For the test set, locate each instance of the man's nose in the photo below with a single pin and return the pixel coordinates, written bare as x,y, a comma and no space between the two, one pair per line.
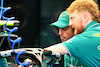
60,31
70,23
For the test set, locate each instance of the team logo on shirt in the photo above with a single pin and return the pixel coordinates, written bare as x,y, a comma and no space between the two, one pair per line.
96,34
99,47
98,27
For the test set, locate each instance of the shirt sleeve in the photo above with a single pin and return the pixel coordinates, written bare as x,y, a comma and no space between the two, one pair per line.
74,45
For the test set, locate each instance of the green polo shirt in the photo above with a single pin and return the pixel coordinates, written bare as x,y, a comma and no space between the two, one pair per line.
86,46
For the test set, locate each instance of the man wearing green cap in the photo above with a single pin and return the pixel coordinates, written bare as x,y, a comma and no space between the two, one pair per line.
85,19
66,32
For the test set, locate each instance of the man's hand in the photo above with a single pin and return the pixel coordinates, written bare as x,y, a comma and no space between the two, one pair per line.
53,56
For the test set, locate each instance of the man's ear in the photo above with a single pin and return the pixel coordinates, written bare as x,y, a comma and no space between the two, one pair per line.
85,18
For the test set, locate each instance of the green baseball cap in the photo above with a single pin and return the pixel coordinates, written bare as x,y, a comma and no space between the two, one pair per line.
63,20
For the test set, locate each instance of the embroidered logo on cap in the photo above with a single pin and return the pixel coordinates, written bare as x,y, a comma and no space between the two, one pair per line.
62,15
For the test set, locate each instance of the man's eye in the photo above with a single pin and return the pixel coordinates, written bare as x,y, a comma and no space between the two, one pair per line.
65,28
72,18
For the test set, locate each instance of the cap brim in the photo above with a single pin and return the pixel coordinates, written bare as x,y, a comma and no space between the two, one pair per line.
58,24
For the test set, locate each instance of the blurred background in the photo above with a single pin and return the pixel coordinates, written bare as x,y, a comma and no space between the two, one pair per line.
35,17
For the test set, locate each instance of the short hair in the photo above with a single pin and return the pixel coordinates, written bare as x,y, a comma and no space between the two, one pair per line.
88,5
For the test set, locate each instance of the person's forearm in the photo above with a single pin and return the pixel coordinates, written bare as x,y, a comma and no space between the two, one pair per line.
59,48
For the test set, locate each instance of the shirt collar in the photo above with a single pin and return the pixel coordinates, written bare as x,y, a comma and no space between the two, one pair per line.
90,24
